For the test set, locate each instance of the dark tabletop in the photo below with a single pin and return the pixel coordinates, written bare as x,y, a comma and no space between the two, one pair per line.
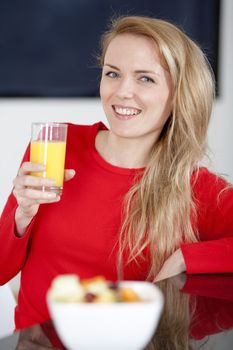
198,314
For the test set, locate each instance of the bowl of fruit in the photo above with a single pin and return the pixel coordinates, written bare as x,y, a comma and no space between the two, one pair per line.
96,314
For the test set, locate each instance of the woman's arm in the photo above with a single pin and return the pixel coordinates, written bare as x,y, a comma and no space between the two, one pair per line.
214,251
17,219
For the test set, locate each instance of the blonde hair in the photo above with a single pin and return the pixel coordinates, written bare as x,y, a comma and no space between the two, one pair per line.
159,206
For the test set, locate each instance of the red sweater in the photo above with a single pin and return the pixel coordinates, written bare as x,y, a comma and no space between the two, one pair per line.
79,233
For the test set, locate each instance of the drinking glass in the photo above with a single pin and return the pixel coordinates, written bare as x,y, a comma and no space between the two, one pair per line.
48,147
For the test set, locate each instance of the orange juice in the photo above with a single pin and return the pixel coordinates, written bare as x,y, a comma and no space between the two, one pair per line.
51,154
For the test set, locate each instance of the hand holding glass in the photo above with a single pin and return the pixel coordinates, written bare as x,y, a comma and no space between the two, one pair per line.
48,147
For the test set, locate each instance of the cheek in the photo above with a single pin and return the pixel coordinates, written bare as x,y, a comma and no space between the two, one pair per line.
163,99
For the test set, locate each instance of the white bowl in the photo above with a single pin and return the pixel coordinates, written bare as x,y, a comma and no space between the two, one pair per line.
109,326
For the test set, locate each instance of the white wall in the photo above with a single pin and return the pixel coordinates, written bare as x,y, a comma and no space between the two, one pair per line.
16,116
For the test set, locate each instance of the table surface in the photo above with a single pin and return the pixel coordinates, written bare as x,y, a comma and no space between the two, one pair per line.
198,314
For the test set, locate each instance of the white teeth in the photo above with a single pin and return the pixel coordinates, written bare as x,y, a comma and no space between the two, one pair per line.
126,111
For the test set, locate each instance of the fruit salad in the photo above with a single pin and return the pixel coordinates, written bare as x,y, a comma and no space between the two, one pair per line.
69,288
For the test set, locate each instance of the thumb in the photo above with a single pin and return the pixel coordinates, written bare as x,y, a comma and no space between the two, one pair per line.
69,174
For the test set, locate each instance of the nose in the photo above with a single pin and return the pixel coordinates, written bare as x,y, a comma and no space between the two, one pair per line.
126,88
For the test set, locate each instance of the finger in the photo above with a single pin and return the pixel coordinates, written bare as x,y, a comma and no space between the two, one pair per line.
26,203
69,174
32,181
34,194
27,167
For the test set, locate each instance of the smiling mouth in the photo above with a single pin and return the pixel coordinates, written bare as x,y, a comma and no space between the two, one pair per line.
126,113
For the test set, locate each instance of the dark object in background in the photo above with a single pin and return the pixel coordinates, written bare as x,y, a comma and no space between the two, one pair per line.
48,48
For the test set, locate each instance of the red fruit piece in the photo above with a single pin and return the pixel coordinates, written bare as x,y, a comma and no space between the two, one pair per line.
90,297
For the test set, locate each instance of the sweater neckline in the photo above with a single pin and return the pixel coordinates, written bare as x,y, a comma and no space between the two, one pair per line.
103,163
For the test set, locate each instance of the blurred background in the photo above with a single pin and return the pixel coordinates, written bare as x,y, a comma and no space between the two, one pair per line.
49,67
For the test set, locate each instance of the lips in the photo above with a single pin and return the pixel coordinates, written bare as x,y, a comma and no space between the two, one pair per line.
126,112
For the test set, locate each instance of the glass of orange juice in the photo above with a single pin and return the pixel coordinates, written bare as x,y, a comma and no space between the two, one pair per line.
48,147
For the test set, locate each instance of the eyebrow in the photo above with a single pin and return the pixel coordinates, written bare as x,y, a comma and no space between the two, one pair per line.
137,71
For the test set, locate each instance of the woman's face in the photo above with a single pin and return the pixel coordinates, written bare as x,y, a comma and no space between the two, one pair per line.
135,89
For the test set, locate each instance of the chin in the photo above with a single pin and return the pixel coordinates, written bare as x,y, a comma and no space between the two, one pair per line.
125,133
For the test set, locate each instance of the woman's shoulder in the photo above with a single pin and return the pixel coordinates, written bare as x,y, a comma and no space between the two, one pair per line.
206,184
85,128
83,132
204,176
213,198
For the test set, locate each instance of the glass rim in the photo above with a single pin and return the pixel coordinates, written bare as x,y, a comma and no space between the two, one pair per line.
56,124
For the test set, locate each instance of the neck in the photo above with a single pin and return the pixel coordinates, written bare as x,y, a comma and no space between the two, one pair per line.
123,152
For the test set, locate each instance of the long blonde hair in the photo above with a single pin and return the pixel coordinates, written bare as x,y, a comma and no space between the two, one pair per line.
159,209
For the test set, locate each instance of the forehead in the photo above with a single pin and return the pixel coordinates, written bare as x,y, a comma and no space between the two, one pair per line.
132,47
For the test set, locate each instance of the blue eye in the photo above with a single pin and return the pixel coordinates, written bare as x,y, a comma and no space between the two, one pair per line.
147,79
112,74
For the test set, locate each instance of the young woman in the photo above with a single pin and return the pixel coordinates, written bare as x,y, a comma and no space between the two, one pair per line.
137,204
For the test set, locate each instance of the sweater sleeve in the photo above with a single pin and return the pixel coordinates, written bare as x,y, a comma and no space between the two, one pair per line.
13,249
214,251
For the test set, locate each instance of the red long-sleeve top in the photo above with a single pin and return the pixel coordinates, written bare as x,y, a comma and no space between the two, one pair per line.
79,233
